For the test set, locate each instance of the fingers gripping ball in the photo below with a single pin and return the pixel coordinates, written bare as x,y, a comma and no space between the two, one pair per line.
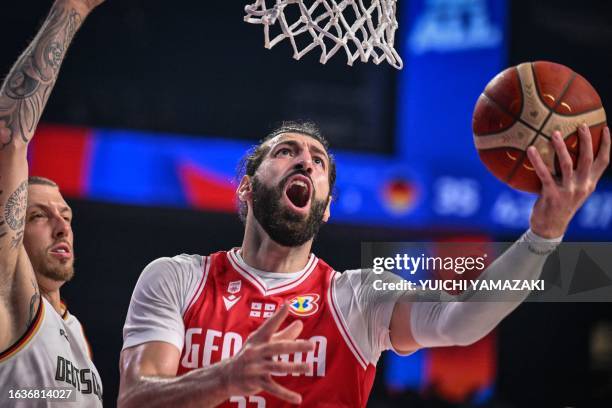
521,107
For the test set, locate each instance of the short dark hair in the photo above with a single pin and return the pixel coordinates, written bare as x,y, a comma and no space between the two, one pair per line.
253,158
43,181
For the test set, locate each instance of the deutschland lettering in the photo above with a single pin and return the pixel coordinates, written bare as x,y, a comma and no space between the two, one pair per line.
84,380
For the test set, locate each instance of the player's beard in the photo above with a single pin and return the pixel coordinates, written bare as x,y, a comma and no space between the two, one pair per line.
284,226
55,270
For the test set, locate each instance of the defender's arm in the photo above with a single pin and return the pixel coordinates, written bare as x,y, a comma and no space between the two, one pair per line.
23,96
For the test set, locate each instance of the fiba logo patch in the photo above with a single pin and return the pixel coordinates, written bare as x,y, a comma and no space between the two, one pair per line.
304,305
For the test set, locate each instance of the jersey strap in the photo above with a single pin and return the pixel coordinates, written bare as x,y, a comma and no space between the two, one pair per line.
201,284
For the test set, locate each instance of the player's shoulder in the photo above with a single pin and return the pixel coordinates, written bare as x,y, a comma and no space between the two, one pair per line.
182,263
361,282
351,272
351,277
186,260
182,269
171,278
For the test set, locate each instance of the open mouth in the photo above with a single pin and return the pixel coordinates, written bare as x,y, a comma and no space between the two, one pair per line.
62,250
298,191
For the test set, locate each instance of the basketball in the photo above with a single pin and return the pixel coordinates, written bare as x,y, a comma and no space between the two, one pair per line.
521,107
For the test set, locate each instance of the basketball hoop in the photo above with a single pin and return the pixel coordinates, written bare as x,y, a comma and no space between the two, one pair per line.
364,29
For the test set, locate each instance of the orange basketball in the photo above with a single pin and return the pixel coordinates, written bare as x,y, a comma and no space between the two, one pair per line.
521,107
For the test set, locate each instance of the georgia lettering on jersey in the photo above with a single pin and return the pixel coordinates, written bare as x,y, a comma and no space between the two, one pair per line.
218,346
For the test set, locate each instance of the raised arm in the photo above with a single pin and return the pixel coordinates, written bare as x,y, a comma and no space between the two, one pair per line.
23,96
431,324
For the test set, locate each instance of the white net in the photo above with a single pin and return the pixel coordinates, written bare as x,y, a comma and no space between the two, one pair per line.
363,29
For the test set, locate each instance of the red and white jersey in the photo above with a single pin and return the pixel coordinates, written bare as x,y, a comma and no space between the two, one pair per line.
207,307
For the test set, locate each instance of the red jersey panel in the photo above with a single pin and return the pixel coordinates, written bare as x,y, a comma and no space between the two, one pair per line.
232,302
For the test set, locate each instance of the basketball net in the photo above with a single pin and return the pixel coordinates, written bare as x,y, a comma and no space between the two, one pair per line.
362,32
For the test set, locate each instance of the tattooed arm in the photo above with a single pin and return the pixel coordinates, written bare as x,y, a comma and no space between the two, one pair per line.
23,96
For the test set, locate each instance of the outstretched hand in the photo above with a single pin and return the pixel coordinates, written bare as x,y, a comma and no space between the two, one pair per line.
561,198
250,371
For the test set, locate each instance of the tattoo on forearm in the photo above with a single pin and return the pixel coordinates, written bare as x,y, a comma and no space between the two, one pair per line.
15,207
16,240
27,87
14,213
34,300
3,227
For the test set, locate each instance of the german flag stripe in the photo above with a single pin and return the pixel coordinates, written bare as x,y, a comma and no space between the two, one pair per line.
27,336
64,308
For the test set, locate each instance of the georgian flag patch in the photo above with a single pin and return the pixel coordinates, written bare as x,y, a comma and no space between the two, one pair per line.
304,305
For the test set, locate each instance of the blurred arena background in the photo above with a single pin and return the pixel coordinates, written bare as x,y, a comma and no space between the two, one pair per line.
157,101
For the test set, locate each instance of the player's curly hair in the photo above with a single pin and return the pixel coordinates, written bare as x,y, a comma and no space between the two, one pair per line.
254,156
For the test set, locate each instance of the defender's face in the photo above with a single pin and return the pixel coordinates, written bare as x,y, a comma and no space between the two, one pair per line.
300,165
48,238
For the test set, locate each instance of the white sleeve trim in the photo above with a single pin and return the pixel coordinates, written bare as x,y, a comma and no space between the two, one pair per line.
159,300
365,311
136,339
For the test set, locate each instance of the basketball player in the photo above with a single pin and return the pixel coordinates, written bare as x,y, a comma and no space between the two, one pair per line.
44,355
269,324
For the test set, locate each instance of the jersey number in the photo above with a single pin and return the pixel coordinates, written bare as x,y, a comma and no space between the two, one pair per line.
255,399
